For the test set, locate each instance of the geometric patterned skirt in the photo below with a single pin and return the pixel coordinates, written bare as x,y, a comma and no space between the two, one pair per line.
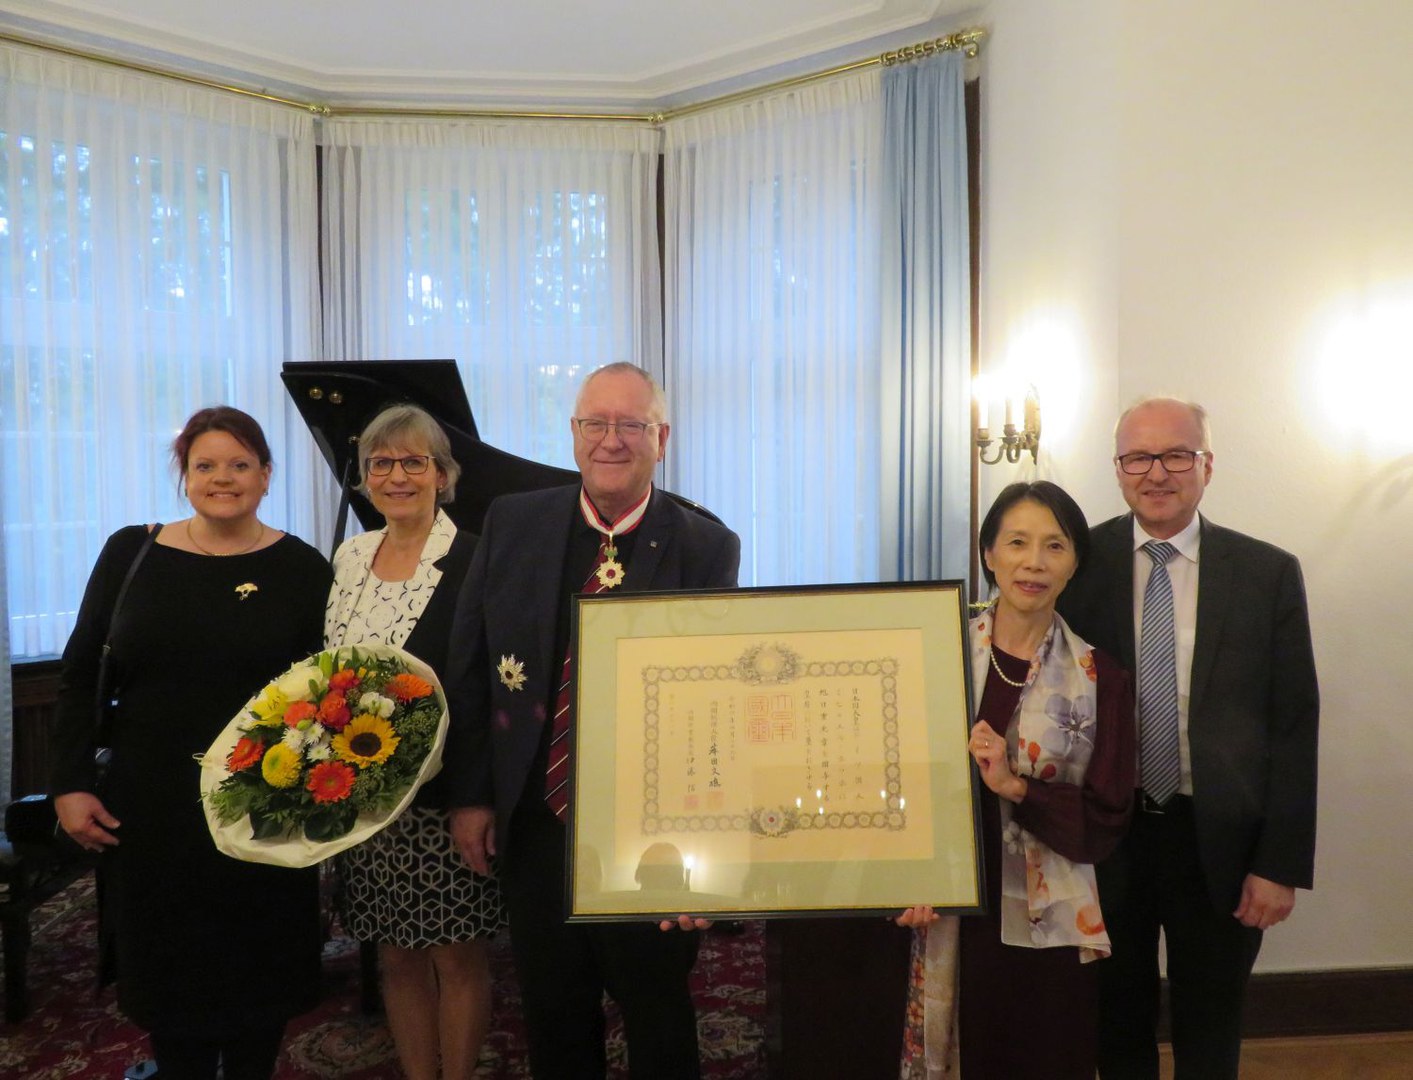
408,886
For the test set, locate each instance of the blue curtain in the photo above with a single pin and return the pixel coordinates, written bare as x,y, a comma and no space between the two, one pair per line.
926,322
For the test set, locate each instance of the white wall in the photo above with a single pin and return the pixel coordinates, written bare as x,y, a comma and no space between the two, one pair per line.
1215,199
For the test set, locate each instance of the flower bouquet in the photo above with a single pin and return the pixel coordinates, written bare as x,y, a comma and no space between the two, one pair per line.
324,756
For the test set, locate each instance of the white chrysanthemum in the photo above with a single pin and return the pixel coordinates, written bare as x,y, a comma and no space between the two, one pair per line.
294,739
318,752
376,704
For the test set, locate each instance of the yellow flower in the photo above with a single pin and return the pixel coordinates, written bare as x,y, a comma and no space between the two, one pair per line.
280,766
270,706
367,740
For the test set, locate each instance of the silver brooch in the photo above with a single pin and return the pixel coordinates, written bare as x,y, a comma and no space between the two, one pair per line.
512,672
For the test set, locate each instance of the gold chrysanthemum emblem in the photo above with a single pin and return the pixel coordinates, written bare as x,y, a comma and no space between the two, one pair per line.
512,672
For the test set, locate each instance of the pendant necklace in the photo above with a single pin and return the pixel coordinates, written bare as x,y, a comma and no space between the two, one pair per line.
224,554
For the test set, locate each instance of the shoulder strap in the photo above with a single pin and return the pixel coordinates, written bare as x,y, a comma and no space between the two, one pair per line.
105,691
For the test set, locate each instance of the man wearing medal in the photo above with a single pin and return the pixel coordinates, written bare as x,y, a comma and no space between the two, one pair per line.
506,758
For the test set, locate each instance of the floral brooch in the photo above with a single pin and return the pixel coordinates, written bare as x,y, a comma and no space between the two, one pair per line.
512,672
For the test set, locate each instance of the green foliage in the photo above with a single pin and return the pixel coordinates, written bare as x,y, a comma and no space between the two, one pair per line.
330,822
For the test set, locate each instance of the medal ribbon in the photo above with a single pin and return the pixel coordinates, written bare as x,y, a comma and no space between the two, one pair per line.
625,524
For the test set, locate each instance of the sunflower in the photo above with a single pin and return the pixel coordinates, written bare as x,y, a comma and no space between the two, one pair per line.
280,766
368,740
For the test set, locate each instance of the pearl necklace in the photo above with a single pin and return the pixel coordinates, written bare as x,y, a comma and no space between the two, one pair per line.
1004,677
224,554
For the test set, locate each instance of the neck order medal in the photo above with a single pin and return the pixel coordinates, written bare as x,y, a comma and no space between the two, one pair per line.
610,572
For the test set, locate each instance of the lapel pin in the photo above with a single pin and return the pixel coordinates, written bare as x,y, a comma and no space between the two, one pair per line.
512,672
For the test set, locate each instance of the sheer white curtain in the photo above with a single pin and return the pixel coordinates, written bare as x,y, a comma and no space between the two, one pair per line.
772,309
156,255
525,251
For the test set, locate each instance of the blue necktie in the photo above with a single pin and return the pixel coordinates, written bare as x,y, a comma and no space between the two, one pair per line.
1160,766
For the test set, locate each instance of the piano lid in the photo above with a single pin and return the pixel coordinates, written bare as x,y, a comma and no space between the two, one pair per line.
337,399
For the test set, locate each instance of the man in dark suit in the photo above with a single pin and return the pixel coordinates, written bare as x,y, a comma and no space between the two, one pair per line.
1215,627
510,733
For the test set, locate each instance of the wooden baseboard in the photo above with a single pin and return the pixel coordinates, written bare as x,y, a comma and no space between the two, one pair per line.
1329,1003
1304,1003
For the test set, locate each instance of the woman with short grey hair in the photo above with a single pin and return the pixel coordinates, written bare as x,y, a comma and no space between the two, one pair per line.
406,887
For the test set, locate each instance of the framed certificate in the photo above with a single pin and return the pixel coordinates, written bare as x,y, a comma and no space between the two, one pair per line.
772,752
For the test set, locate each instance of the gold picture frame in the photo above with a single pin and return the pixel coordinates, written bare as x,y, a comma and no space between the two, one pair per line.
772,752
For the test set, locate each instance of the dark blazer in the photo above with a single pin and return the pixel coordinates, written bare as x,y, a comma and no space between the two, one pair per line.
1254,705
428,640
508,609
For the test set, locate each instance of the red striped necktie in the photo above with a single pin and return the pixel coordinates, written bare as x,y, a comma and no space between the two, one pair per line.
557,771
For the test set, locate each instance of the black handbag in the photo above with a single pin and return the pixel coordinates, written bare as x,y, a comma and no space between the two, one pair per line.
30,821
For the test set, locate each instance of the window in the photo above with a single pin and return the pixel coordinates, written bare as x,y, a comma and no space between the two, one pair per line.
519,252
145,272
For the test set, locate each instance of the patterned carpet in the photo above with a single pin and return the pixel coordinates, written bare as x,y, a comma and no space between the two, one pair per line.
74,1034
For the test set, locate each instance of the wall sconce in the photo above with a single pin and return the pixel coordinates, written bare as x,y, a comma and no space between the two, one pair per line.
1013,442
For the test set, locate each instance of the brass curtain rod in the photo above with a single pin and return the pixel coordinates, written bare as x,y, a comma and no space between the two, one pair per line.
967,41
161,73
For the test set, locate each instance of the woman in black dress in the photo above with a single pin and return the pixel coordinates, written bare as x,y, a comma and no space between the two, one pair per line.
406,887
213,955
1054,742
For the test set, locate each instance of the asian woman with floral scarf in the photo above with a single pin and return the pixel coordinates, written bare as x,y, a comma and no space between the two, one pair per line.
1012,993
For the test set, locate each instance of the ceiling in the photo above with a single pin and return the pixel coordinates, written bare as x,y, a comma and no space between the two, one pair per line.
640,54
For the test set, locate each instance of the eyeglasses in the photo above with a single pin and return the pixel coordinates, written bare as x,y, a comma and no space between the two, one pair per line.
412,465
1174,461
628,430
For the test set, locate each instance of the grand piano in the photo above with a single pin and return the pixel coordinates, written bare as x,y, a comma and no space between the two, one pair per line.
836,988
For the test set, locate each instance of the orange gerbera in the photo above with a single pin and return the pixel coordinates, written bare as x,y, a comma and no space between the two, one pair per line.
333,711
343,680
246,753
299,712
330,781
408,687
